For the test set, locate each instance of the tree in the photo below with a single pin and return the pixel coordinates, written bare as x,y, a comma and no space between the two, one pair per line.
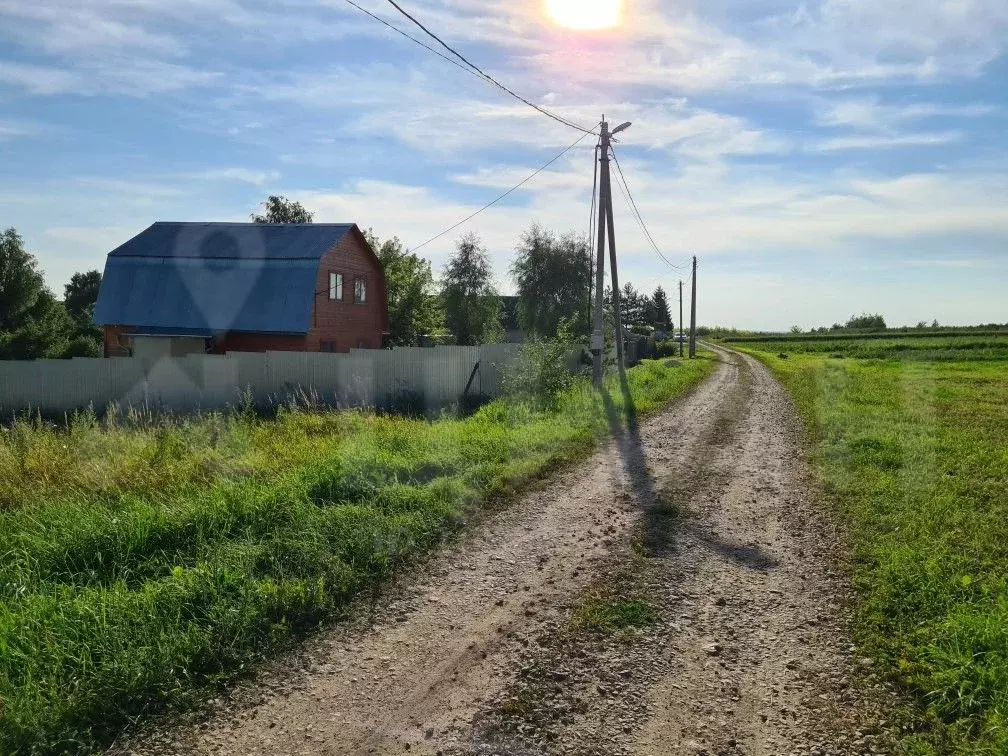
44,333
21,282
864,321
472,306
414,309
551,275
632,306
656,310
279,209
81,295
33,323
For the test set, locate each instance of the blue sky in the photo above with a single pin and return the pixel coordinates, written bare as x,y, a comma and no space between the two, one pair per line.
821,158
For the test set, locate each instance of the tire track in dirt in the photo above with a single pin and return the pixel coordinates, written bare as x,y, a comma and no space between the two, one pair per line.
749,652
413,675
762,663
703,508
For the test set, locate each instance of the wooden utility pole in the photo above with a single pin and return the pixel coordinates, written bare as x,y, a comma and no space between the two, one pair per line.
605,225
680,321
692,335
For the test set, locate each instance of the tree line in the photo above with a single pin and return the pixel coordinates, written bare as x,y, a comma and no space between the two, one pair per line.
551,273
34,324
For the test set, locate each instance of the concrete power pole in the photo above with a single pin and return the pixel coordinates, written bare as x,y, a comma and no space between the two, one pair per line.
692,336
598,339
605,222
680,321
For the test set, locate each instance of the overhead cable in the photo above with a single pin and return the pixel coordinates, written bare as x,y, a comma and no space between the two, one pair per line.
482,74
410,37
514,188
637,214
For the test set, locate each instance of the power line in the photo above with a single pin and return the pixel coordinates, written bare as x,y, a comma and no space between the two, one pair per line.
482,74
640,222
624,188
505,194
410,37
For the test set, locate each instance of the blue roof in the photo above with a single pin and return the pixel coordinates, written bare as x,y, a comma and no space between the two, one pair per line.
206,278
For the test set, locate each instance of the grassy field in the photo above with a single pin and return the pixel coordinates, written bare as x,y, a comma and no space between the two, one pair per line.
143,567
910,437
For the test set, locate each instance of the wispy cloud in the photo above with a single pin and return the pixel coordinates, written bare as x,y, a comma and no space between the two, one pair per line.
888,141
242,175
872,114
10,130
749,117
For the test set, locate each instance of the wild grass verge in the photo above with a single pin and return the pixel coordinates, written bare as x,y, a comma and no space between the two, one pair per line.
141,568
912,448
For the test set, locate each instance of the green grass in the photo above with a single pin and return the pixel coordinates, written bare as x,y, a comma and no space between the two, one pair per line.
911,444
610,615
934,348
144,566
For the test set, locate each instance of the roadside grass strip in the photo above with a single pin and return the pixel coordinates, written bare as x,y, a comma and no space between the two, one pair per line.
145,563
912,449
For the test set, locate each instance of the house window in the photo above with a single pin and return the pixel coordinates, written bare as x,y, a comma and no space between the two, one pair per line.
360,291
336,286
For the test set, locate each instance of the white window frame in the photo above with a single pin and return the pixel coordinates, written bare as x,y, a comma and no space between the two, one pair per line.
360,290
335,287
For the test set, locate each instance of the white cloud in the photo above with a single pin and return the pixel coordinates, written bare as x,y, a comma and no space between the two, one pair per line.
105,76
888,141
38,80
10,130
242,175
870,113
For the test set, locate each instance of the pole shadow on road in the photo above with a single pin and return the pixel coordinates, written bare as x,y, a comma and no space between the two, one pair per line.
663,514
660,515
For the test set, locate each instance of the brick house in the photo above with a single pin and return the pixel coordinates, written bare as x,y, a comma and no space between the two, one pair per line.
182,288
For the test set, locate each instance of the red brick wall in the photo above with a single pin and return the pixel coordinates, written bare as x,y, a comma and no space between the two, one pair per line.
346,324
341,324
114,346
258,342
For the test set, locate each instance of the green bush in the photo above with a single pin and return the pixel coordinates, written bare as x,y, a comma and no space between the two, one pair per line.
544,371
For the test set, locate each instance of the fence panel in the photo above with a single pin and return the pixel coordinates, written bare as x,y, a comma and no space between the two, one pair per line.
418,378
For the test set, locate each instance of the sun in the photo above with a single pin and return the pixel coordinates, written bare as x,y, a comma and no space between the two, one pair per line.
586,15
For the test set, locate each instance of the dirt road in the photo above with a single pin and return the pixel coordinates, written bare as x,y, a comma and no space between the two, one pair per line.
699,520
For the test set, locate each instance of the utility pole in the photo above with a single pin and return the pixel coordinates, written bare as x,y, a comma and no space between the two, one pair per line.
598,340
617,315
680,320
692,336
605,224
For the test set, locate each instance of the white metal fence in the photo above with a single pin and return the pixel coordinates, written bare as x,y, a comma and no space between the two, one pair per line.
414,378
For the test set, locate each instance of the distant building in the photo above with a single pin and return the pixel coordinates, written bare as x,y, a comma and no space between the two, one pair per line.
181,288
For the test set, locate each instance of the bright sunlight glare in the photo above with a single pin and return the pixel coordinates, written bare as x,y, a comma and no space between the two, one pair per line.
586,15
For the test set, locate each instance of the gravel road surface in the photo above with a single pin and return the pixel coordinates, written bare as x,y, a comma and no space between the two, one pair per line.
702,515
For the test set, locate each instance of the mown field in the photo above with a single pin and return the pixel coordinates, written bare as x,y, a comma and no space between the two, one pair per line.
910,438
144,565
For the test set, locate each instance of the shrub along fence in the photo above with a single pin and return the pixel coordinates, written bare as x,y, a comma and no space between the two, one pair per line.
404,379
